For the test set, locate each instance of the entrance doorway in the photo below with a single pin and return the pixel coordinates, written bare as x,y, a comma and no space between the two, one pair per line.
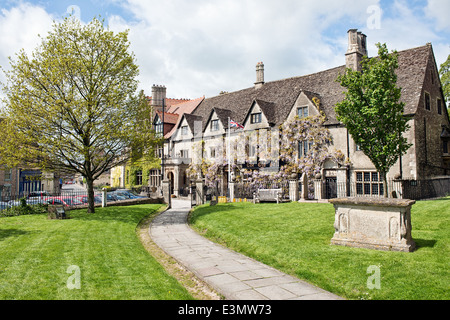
331,187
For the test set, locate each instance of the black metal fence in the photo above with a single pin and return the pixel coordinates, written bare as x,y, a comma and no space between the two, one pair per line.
426,189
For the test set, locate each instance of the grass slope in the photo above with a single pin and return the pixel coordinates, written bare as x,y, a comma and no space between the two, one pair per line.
295,238
35,254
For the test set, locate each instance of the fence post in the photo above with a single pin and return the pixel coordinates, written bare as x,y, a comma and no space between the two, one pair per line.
166,193
199,186
293,190
104,198
304,194
231,184
318,189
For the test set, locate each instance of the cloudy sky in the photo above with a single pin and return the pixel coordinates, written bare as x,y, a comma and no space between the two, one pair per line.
202,47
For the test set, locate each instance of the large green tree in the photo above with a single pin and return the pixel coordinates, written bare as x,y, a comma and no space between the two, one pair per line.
445,79
72,105
372,110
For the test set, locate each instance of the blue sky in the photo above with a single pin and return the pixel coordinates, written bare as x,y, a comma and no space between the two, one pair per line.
203,47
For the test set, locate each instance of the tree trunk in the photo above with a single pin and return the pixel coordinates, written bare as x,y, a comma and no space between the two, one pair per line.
385,185
90,191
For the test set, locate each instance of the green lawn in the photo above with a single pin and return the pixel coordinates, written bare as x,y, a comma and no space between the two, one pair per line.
295,238
35,254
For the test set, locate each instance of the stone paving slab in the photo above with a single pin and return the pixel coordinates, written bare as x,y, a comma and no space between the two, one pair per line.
233,275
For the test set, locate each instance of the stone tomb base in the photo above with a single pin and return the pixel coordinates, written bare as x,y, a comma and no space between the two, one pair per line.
373,223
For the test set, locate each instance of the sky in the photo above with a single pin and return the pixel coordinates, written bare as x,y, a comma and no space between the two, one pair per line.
202,47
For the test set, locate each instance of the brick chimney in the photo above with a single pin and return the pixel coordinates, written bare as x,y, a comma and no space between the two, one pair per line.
259,75
357,48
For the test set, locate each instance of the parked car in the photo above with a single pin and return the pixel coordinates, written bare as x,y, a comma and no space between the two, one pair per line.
127,194
66,201
37,195
84,199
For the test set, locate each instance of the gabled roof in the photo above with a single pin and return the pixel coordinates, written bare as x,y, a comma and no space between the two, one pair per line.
168,117
175,112
282,94
269,110
191,119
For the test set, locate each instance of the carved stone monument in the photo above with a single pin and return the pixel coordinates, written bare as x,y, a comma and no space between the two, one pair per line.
373,223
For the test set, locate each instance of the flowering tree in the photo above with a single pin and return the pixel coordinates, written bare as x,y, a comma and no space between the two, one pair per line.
304,148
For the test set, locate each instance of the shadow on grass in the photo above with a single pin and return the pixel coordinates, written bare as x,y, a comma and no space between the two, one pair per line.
6,233
126,214
422,243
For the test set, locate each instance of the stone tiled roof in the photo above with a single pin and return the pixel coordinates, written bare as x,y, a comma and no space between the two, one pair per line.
282,94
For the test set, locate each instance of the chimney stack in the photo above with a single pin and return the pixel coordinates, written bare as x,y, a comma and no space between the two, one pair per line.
259,75
158,96
357,48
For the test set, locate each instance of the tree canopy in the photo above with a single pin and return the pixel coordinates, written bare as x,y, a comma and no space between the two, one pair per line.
72,106
372,110
444,72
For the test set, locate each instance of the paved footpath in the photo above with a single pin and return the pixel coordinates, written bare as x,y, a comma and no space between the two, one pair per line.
233,275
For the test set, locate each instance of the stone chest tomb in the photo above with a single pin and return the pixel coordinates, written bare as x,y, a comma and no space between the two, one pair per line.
373,223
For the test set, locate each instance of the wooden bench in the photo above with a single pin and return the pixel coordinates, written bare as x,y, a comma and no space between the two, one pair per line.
267,195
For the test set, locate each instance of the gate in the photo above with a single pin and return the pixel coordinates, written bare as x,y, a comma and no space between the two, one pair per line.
331,188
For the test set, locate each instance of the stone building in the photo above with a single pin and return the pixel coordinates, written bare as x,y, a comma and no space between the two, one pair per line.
267,105
166,114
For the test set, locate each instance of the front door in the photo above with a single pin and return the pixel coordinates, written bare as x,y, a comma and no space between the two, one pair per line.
331,187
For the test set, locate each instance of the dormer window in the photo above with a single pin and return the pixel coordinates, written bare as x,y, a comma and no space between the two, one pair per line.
215,125
159,127
302,112
256,118
184,130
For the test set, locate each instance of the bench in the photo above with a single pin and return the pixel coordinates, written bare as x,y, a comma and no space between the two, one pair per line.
267,195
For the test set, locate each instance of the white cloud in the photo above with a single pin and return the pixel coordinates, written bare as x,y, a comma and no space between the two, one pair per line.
20,28
401,29
439,10
203,47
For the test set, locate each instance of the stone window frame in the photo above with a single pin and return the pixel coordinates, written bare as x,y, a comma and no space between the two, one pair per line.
301,112
138,176
215,125
439,105
184,130
427,105
303,148
184,153
212,152
369,183
256,118
8,174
